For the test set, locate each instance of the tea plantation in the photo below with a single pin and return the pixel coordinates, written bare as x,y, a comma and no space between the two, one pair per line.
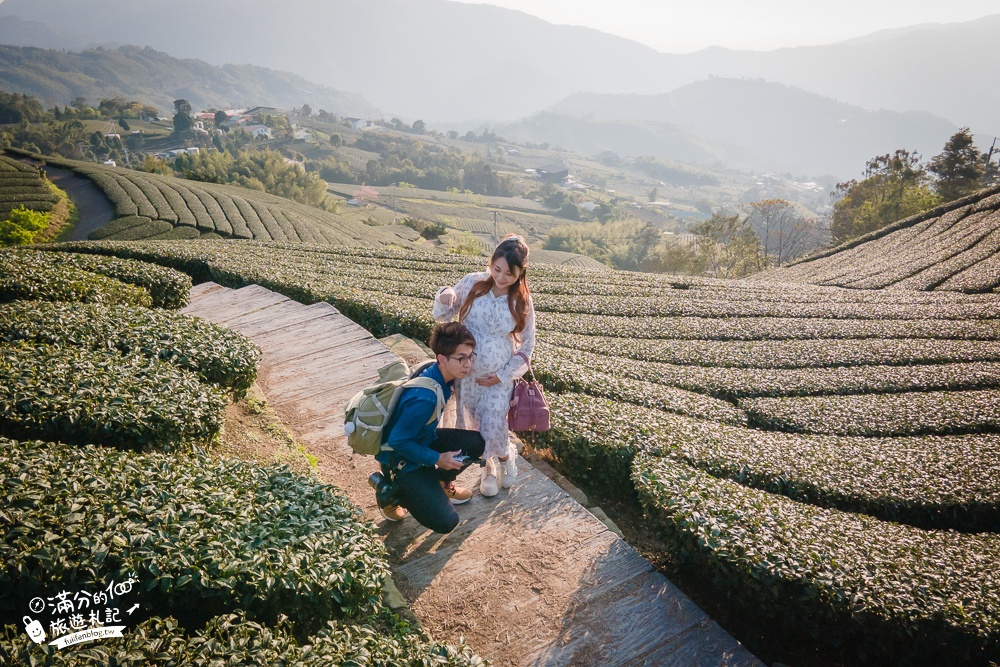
22,185
828,460
953,247
110,401
153,206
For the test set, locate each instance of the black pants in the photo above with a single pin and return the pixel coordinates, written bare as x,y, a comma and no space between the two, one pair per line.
420,490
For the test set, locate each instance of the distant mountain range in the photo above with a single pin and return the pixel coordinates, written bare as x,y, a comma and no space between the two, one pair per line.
821,110
446,61
739,122
152,77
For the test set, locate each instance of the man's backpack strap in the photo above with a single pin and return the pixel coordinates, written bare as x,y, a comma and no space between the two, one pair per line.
421,382
433,385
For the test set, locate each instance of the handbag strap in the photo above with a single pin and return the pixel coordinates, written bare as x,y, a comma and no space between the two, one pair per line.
528,362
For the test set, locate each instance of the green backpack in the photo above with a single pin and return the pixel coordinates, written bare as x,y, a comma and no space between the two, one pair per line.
369,409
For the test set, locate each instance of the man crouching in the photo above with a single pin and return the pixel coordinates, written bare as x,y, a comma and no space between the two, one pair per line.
420,462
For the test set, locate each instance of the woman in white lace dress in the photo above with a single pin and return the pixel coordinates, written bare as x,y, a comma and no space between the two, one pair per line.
496,306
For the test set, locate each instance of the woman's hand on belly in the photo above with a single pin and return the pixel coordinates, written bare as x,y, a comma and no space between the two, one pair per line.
488,380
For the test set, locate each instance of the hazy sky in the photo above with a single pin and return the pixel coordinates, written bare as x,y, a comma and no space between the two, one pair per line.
682,26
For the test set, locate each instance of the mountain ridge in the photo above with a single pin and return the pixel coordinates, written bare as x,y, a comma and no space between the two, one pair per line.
774,127
152,77
418,59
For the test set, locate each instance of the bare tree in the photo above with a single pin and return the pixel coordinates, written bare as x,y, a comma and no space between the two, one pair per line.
784,233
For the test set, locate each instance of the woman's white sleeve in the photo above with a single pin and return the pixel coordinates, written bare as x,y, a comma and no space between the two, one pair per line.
517,366
443,313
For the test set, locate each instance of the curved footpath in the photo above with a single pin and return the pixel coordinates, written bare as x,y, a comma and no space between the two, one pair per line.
93,207
529,577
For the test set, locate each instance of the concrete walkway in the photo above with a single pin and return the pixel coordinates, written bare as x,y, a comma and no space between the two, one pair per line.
529,577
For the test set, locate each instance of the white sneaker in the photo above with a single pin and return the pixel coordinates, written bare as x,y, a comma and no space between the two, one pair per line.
489,485
508,471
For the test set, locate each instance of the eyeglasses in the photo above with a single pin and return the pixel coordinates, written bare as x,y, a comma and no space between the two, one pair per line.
465,359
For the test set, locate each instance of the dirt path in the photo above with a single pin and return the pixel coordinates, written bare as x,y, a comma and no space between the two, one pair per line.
94,208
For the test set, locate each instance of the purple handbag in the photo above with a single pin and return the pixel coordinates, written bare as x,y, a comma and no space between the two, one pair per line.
528,409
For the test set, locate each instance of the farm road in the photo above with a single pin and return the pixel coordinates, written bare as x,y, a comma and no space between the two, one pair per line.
529,577
94,208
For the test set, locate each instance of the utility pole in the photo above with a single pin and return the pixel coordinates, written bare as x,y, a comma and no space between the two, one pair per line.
496,227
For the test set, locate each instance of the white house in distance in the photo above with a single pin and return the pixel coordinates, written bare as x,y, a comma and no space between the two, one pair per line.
258,131
357,123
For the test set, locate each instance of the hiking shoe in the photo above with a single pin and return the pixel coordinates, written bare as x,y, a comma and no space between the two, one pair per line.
392,513
456,494
508,472
489,485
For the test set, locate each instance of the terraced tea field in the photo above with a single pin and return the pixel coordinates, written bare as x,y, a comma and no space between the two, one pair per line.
111,406
152,206
462,211
955,247
827,459
22,185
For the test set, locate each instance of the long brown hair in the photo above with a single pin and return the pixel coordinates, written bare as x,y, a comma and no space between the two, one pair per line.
514,250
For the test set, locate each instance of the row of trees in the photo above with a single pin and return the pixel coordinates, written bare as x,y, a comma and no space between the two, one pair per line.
263,170
61,131
770,232
897,185
16,108
402,160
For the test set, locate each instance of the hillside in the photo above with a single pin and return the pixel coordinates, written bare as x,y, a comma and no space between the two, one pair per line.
955,247
149,76
739,415
152,206
393,52
763,125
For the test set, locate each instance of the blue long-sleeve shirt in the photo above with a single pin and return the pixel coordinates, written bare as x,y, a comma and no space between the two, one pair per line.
409,433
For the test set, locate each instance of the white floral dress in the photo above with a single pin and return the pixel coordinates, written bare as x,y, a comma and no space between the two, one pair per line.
491,322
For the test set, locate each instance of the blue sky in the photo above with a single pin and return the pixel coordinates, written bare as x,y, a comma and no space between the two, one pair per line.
682,26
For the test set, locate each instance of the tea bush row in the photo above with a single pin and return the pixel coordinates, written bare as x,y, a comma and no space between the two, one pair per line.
60,276
733,384
394,265
641,307
815,353
167,287
895,593
567,375
911,413
119,226
231,639
10,166
945,482
216,354
29,275
83,395
23,185
765,328
137,229
202,536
